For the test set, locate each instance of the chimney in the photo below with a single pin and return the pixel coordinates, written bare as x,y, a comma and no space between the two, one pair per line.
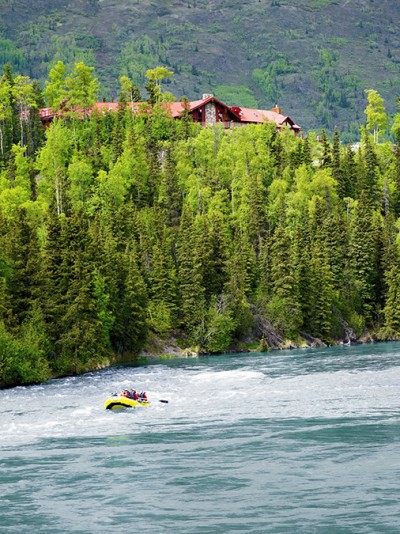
207,95
277,109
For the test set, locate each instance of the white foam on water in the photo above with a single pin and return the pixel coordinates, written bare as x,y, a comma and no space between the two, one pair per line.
263,387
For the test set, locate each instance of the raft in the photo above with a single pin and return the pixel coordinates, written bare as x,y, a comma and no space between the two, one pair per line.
118,401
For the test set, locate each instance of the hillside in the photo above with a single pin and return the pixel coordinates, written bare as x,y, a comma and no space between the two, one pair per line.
313,57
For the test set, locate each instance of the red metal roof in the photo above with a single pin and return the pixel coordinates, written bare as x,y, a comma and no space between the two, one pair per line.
244,115
264,115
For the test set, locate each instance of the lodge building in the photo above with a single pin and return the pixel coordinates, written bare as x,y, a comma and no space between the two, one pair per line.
207,111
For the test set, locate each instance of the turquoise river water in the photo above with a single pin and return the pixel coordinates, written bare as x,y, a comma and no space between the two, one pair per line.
285,442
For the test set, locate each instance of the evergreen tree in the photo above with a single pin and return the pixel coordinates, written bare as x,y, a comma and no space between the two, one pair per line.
6,117
284,308
348,176
186,120
170,196
241,283
307,159
367,177
321,295
163,286
337,170
326,160
391,327
12,133
363,259
192,301
24,284
130,329
82,339
118,135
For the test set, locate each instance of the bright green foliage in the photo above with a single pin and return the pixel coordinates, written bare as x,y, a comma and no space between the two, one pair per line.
82,87
24,98
80,181
55,87
154,80
220,325
377,119
23,358
20,123
52,165
129,91
77,90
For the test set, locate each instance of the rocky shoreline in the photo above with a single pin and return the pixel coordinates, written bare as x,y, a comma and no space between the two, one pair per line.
171,348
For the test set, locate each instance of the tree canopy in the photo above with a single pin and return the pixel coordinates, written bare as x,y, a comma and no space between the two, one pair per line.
118,229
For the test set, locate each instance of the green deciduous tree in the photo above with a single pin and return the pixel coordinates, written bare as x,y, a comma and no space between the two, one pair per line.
377,119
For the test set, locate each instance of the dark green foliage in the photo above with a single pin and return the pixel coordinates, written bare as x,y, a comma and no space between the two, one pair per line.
391,328
347,184
190,280
363,259
130,329
118,134
81,333
284,306
326,160
170,197
24,256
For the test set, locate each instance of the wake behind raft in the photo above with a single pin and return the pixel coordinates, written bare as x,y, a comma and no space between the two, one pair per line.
127,399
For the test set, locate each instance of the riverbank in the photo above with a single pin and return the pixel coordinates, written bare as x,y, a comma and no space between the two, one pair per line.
173,347
158,348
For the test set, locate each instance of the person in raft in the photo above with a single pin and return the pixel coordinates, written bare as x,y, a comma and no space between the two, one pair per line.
132,394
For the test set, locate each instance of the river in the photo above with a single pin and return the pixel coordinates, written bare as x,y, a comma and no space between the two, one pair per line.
304,441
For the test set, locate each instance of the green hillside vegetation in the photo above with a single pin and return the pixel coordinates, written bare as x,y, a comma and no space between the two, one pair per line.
315,58
116,228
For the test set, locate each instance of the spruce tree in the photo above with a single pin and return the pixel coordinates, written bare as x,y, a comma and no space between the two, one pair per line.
391,311
337,171
284,307
363,258
118,134
129,331
326,159
25,261
81,341
170,197
190,281
348,177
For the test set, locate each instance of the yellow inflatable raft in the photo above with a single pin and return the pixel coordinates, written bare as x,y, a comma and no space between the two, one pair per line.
118,401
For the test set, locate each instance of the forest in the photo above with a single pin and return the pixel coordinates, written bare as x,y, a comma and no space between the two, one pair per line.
121,228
